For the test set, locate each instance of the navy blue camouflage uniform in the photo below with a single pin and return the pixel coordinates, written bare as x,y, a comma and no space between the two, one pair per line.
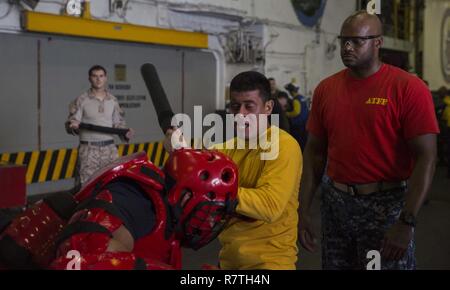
353,225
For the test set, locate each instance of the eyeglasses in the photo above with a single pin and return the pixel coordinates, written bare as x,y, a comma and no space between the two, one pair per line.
355,41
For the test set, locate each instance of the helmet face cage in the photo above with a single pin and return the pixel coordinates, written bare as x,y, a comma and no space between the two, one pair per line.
202,187
205,222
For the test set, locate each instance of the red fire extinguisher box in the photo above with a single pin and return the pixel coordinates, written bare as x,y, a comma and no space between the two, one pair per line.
12,185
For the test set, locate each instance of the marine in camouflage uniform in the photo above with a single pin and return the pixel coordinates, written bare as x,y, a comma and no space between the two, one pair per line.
354,225
96,149
92,158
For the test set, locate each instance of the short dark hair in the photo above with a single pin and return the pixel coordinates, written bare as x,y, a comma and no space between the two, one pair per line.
282,95
96,67
291,88
250,81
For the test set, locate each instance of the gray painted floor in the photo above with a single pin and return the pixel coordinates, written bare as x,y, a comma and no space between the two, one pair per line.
432,235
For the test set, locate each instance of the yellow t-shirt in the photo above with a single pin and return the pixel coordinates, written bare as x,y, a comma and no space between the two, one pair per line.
446,113
268,194
296,109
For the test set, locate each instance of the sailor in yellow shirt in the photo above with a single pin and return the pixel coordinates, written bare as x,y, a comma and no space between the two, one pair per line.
446,113
265,236
268,195
263,232
446,130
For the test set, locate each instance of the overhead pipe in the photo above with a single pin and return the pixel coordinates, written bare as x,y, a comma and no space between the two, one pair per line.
87,9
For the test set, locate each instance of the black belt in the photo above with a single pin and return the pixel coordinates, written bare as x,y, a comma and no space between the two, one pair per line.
98,143
365,189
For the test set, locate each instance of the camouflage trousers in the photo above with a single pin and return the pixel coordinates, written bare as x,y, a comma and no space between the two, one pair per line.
92,158
354,225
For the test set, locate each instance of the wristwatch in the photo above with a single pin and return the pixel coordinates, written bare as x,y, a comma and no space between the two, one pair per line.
408,219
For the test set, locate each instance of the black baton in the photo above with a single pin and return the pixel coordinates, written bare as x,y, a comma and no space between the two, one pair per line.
116,131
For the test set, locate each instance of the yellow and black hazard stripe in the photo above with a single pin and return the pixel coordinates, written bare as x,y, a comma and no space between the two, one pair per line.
53,165
155,151
44,166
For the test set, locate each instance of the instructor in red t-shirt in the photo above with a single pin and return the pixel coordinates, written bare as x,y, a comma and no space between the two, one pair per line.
374,126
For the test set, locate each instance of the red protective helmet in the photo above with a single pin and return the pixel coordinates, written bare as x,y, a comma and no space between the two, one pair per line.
202,187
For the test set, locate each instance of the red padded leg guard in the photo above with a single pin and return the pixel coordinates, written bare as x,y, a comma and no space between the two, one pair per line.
89,232
30,239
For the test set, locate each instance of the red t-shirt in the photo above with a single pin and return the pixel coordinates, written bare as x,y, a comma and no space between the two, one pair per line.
367,123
